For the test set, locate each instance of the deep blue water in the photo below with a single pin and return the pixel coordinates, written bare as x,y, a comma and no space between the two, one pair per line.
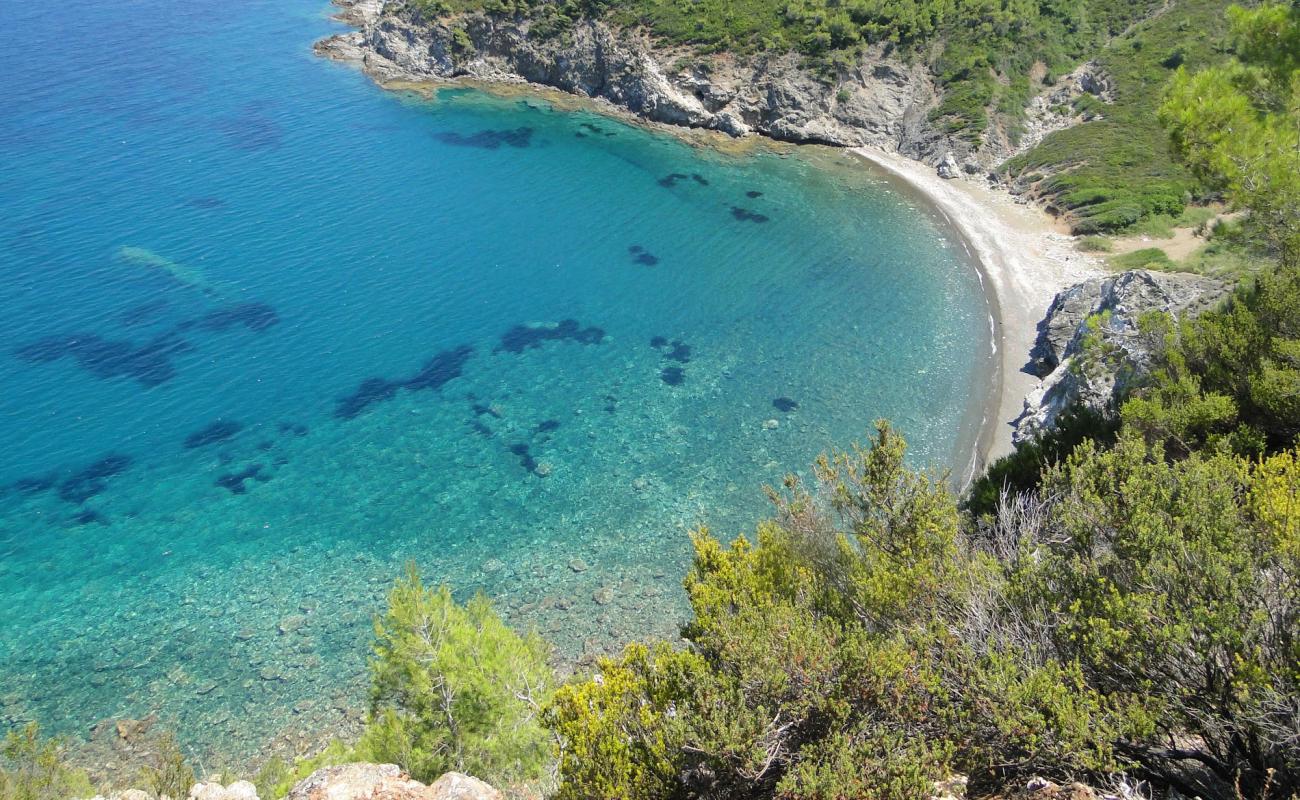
268,332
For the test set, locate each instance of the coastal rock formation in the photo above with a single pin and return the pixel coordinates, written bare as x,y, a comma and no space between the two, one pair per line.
881,101
387,782
213,790
1090,345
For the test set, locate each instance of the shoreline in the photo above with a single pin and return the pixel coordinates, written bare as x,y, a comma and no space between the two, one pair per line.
1021,257
1023,260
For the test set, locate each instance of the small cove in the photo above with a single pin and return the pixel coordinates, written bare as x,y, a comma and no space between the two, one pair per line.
270,332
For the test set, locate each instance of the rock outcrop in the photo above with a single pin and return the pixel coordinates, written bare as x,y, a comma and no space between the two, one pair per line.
387,782
213,790
881,101
1090,346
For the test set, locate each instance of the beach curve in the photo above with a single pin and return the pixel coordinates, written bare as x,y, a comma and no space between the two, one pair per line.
1024,260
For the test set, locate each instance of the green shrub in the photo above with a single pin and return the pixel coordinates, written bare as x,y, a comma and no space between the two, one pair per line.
844,653
1152,258
168,775
35,769
1094,244
455,689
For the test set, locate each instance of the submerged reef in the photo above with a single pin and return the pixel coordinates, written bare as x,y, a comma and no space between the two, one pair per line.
235,481
640,255
525,337
745,215
218,431
436,371
784,404
488,139
250,132
149,363
93,478
673,376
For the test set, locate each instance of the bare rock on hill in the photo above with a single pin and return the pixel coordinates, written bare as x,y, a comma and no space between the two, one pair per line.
1091,347
387,782
882,100
213,790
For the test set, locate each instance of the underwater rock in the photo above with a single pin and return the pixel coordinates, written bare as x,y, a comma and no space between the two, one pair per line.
658,341
745,215
296,428
784,404
256,317
88,516
547,426
93,479
753,194
646,259
680,352
440,369
142,312
149,364
235,481
771,424
578,565
700,179
219,431
35,484
250,132
526,337
189,277
603,596
371,391
290,623
436,372
488,139
673,376
526,459
670,180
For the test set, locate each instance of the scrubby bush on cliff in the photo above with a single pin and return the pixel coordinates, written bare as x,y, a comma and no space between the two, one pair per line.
32,768
858,648
453,688
1174,586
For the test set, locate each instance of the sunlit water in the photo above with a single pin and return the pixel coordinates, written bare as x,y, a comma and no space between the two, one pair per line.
269,332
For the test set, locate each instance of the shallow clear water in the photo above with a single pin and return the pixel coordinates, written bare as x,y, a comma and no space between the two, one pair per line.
339,277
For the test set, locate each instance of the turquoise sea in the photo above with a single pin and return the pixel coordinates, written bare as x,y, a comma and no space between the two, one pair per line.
267,332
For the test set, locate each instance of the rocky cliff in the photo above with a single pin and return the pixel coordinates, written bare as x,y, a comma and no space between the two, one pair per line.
1091,345
882,101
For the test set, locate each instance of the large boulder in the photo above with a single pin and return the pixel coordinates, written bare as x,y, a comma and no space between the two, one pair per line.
387,782
213,790
1091,347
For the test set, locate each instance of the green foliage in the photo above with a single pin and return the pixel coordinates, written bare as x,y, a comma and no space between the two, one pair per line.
1118,169
453,688
1152,258
1168,587
844,653
168,775
1022,469
1238,124
1094,244
1229,377
985,54
35,769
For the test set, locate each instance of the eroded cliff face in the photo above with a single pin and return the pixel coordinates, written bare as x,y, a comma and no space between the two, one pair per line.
883,101
1091,346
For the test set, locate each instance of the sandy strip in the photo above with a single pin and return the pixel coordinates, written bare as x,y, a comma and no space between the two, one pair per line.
1025,261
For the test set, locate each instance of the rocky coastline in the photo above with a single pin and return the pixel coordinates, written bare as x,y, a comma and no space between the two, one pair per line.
880,109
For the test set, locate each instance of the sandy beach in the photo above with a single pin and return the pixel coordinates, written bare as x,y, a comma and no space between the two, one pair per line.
1025,260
